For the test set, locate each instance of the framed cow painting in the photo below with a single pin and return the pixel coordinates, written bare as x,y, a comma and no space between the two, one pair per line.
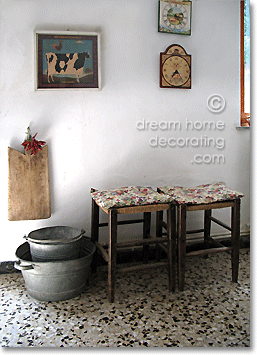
67,60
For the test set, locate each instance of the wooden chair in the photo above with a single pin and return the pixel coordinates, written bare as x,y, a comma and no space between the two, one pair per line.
207,198
130,200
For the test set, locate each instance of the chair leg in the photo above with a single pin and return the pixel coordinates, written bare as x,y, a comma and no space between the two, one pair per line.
207,228
235,239
94,231
181,230
171,230
146,233
112,254
159,219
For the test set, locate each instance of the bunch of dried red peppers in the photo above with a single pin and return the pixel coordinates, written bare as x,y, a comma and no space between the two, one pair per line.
32,144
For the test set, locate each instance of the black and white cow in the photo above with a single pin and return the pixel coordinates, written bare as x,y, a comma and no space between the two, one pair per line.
65,63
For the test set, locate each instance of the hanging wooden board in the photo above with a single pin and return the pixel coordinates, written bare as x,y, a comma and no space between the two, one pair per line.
28,185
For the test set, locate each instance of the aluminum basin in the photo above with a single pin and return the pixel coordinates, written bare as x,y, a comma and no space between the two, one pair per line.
55,280
55,243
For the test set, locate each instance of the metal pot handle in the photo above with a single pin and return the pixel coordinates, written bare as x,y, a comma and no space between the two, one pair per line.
18,266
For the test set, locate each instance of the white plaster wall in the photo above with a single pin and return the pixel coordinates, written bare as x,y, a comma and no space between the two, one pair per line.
92,135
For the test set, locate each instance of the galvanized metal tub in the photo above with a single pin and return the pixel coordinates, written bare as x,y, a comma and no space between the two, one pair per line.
54,243
55,280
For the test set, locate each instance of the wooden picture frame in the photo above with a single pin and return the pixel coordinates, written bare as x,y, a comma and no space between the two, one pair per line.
174,16
67,60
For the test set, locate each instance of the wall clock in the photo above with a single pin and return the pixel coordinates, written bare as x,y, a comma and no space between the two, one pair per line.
175,17
175,68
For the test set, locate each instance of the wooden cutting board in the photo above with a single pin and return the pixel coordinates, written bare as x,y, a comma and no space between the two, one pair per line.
28,185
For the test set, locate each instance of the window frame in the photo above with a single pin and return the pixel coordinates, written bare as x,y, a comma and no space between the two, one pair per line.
244,116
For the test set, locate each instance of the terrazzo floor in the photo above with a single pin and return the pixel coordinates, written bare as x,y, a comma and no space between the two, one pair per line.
211,312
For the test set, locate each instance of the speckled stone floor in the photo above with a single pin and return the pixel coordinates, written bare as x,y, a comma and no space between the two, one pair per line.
211,312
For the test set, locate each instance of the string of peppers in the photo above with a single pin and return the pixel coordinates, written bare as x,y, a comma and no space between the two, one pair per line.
32,144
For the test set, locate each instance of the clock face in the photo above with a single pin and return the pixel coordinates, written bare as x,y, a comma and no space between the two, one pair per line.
176,71
175,16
